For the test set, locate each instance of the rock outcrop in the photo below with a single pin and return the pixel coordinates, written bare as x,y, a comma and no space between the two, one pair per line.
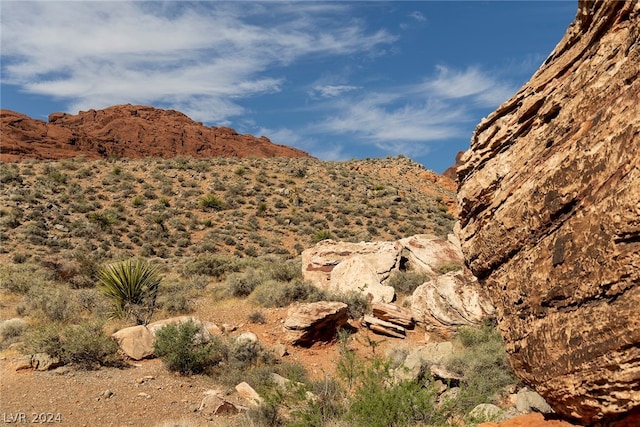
450,300
367,266
549,206
307,324
130,131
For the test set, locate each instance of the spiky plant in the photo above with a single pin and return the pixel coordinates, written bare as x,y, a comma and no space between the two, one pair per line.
132,285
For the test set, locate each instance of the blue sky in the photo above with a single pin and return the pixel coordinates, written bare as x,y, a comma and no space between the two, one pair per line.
340,80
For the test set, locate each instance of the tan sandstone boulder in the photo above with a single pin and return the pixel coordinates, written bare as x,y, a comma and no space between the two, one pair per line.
135,341
366,266
309,323
549,205
452,299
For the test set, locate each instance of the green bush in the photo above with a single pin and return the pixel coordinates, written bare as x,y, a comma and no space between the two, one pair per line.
273,293
210,202
180,350
212,265
18,279
85,345
242,284
11,330
447,267
321,235
482,362
328,406
378,403
50,303
132,286
256,317
405,282
357,303
284,271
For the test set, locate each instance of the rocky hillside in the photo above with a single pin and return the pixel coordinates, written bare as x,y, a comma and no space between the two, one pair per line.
186,207
130,131
550,220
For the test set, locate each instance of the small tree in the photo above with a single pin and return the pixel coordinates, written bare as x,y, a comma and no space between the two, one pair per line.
132,286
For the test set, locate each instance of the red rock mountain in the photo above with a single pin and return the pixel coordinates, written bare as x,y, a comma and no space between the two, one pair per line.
549,207
131,131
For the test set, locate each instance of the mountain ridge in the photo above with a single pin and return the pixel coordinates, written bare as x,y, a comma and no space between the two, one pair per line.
127,131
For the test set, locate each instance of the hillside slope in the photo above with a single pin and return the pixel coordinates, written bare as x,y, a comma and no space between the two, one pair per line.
185,207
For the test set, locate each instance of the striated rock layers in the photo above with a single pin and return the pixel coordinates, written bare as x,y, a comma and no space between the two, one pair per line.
549,205
130,131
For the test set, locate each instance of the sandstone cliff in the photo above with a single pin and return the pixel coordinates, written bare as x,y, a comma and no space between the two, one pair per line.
126,131
549,205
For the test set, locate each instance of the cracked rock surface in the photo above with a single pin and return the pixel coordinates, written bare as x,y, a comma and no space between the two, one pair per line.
549,205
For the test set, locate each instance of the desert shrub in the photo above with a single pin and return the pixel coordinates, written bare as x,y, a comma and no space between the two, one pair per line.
321,235
357,303
210,202
180,350
20,278
242,284
85,345
328,406
256,317
273,293
379,401
405,282
11,330
104,219
448,267
482,362
244,353
132,287
49,302
213,265
175,300
284,271
137,201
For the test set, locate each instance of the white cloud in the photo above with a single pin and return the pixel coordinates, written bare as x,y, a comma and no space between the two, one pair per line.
406,119
203,57
472,82
330,91
418,16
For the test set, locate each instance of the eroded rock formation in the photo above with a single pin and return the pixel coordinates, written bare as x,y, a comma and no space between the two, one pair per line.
131,131
549,205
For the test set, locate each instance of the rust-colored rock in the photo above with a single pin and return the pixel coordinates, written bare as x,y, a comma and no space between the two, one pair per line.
549,205
529,420
130,131
451,171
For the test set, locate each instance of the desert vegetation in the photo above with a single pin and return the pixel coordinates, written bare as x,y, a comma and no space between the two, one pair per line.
90,247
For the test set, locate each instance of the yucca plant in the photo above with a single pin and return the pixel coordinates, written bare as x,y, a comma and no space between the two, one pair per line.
132,285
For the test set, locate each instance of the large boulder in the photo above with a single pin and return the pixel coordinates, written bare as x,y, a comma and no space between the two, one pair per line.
429,254
365,267
550,217
314,322
452,299
358,274
320,261
135,341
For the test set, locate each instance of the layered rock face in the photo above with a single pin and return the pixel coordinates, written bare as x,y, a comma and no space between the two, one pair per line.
130,131
549,205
